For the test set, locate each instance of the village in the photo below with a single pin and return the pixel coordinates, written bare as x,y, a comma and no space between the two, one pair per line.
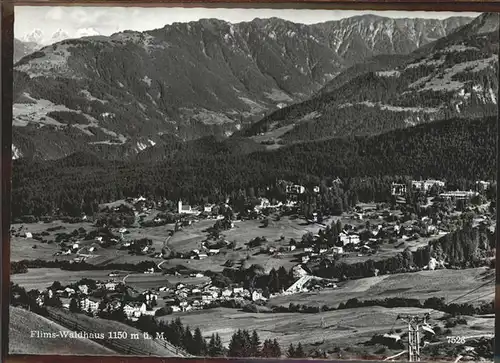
367,232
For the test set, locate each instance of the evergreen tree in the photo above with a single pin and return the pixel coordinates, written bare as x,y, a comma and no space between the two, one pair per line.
211,346
275,349
247,349
199,345
255,344
74,306
299,352
291,351
267,349
236,344
218,347
188,341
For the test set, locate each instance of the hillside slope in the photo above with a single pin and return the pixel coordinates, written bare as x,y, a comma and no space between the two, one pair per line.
453,77
118,95
23,322
450,149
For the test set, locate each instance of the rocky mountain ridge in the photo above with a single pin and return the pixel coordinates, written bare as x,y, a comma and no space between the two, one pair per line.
118,95
456,76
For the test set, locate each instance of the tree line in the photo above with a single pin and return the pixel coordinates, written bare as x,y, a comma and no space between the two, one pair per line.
436,303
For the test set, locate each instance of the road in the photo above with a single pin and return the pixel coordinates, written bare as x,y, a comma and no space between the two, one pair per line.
165,246
125,277
158,265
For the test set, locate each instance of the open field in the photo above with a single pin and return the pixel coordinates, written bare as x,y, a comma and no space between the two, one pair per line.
191,237
422,285
22,248
142,282
215,263
105,326
22,322
40,278
244,231
342,327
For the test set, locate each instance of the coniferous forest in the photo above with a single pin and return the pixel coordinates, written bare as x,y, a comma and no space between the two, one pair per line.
455,150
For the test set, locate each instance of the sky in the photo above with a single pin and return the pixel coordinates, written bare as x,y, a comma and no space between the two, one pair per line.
76,21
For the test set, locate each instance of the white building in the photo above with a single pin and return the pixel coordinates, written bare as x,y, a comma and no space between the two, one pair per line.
295,189
110,286
257,295
89,303
134,309
338,250
185,209
425,185
348,239
208,208
263,203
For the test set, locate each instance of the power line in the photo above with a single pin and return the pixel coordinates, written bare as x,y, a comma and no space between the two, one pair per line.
471,291
480,297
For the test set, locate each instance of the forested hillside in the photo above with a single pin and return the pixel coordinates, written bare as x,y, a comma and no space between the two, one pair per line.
118,95
451,149
456,76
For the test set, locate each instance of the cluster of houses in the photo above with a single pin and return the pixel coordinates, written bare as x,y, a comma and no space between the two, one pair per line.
181,298
185,298
89,302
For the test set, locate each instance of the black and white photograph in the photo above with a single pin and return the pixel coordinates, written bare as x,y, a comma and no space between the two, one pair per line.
254,183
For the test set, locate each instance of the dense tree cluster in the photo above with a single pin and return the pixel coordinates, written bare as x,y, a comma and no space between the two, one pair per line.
450,150
435,303
23,265
465,247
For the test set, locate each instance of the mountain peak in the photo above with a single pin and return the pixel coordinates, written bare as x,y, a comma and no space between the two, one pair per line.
35,36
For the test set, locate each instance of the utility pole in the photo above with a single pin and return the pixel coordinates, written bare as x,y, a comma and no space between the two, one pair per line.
414,325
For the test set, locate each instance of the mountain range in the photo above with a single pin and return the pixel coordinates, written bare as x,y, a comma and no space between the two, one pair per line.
455,76
269,80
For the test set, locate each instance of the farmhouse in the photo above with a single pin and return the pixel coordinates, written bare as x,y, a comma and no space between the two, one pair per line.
263,203
84,289
337,250
257,295
68,292
295,189
208,208
150,296
89,303
110,286
349,239
28,235
135,309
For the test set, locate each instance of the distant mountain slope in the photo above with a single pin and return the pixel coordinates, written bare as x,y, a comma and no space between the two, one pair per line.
453,77
22,49
119,94
23,322
209,145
